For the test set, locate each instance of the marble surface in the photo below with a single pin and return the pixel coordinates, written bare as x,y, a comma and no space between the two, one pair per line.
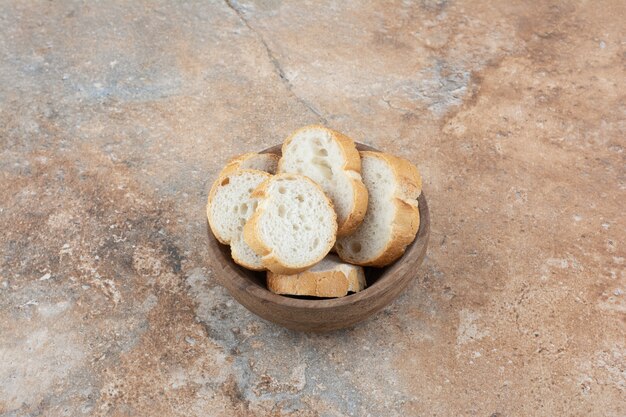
116,116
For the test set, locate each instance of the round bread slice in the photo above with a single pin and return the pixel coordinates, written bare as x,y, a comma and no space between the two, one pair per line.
266,162
229,206
392,217
294,225
328,278
330,159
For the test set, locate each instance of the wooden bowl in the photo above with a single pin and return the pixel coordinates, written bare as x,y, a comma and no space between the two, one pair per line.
314,314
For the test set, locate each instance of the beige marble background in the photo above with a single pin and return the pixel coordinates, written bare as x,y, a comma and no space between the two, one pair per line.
115,117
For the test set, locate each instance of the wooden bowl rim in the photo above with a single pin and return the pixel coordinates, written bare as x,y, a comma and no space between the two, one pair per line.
387,278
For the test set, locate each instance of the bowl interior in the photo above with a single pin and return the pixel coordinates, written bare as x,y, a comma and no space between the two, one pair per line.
254,281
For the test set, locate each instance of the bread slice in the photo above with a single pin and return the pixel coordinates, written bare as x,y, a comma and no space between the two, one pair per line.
330,159
294,225
328,278
229,206
392,217
266,162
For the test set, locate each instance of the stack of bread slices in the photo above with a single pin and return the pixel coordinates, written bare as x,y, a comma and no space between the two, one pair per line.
285,215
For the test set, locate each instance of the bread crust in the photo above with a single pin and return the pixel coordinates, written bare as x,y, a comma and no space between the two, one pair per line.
328,283
352,164
407,217
252,235
214,187
235,163
241,261
357,214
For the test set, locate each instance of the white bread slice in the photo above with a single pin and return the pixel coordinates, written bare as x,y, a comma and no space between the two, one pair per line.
392,217
294,225
330,159
229,206
266,162
328,278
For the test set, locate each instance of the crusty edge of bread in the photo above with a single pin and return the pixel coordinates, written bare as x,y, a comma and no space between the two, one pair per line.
252,236
214,187
235,163
246,265
406,221
212,193
357,214
352,163
243,263
330,283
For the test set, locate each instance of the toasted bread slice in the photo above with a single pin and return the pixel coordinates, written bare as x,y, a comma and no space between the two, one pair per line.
392,217
266,162
328,278
330,159
294,225
229,206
